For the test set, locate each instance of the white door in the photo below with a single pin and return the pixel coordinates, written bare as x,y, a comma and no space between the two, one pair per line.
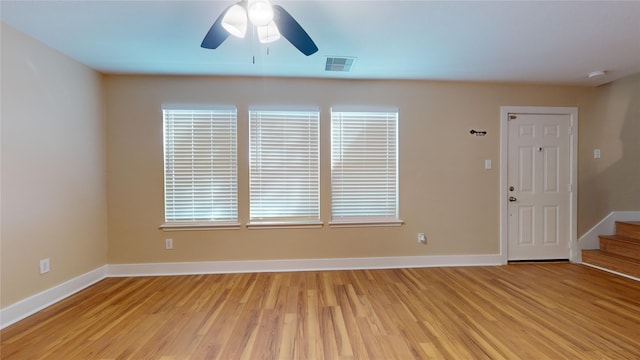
538,180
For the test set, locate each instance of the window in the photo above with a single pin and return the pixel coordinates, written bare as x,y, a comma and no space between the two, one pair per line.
364,167
284,181
200,168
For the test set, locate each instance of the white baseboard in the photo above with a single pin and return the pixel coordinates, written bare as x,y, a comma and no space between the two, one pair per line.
20,310
221,267
611,271
37,302
606,226
627,215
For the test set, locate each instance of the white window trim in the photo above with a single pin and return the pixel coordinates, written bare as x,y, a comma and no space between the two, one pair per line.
364,108
363,220
257,224
312,224
275,221
177,224
198,226
354,224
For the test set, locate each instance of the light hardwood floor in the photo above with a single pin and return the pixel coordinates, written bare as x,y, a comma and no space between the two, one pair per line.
524,311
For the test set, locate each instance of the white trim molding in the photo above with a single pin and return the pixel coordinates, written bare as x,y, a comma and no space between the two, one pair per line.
244,266
29,306
574,251
606,226
611,271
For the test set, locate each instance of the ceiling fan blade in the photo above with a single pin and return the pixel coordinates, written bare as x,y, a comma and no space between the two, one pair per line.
216,34
292,31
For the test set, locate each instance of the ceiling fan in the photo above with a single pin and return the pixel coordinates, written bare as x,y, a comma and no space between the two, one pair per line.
271,22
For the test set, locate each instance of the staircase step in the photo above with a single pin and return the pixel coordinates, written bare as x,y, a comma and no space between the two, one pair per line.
628,228
617,263
620,245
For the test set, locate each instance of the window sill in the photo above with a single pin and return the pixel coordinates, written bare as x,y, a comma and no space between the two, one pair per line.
351,224
195,226
285,225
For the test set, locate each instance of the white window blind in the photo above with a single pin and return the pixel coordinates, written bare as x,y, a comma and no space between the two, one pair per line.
284,182
200,166
364,166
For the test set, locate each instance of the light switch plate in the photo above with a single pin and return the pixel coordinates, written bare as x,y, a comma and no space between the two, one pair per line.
45,266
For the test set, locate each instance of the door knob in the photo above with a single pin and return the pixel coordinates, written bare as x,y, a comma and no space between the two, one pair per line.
512,199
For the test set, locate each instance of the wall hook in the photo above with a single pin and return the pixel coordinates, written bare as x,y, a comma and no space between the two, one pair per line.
477,132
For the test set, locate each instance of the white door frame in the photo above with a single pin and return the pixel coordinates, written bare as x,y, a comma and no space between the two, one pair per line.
573,172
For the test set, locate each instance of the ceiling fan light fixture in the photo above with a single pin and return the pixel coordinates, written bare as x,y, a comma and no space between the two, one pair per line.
260,12
271,21
268,33
235,21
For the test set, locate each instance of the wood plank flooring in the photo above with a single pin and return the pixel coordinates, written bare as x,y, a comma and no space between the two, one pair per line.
523,311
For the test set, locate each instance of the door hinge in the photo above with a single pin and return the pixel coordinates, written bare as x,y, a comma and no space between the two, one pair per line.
512,117
570,188
570,130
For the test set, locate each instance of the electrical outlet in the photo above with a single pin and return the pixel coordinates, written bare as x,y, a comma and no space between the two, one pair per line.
45,266
168,244
422,239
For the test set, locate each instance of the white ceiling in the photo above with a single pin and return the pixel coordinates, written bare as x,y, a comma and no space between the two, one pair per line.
557,42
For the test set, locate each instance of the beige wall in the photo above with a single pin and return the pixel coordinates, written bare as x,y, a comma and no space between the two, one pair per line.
53,195
445,191
611,183
54,189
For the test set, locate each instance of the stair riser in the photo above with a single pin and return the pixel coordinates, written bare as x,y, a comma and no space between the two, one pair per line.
619,252
611,264
627,229
622,248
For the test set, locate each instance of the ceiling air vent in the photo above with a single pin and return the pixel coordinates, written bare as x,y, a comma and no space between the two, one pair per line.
341,64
